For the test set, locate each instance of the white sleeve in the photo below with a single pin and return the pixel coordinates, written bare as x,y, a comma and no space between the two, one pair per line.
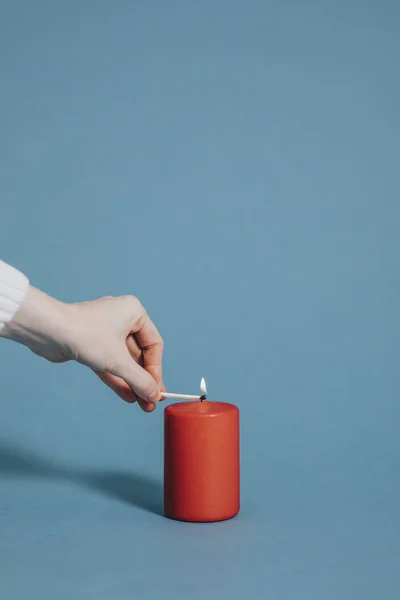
13,288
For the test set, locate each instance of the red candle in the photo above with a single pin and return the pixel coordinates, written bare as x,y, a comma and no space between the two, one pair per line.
201,461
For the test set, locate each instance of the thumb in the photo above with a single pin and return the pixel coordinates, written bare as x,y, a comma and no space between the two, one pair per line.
139,380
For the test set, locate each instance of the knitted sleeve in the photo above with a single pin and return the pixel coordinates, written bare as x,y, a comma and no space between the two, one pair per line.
13,288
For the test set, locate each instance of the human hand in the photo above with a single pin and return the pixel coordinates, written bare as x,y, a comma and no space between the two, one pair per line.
113,336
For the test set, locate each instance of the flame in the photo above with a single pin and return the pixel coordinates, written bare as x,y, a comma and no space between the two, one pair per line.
203,386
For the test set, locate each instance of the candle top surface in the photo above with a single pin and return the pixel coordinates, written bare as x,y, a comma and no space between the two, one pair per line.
204,408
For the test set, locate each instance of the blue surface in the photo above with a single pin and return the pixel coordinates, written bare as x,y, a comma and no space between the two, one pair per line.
235,165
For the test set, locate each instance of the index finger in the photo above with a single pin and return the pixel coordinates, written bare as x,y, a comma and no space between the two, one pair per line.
152,346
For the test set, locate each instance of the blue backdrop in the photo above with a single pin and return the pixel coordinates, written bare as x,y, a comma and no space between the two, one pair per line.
235,165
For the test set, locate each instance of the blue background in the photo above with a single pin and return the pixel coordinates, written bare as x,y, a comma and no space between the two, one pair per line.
235,165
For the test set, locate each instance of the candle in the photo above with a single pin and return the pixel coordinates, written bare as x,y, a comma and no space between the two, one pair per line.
201,461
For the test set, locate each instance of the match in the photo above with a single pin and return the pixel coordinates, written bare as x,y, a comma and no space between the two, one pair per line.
182,396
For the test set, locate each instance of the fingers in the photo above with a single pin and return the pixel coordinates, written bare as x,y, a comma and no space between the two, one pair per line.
152,345
125,386
140,381
118,385
134,349
136,352
124,391
135,373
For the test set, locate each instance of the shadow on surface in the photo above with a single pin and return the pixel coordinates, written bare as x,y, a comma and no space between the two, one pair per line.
131,488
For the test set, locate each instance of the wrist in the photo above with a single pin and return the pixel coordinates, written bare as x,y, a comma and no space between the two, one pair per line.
40,319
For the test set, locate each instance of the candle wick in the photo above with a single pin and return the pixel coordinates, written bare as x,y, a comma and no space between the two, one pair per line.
203,397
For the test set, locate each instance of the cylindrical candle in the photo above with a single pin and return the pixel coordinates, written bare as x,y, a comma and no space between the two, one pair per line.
201,461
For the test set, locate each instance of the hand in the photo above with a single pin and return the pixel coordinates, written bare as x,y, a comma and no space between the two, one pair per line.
113,336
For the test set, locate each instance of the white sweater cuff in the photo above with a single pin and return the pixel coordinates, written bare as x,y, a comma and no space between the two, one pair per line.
13,289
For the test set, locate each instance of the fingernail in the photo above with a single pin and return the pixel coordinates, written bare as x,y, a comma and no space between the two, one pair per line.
153,397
